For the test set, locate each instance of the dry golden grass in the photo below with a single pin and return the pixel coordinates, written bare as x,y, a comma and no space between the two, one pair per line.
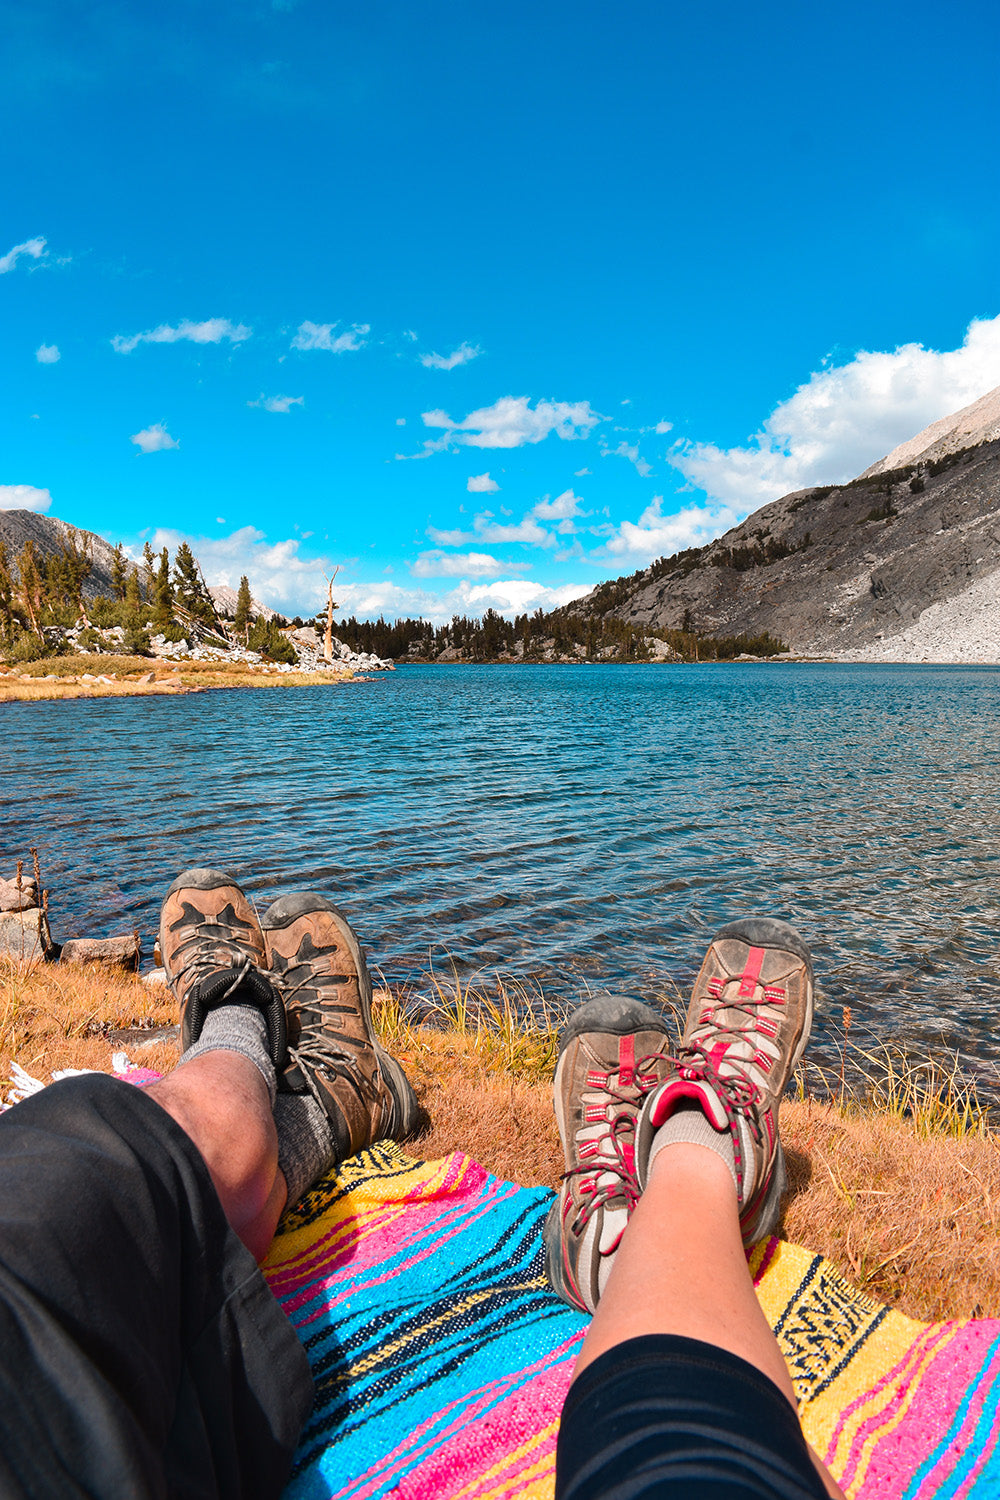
909,1214
25,684
53,1017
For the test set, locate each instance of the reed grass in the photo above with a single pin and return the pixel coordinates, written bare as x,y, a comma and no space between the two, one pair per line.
24,683
895,1177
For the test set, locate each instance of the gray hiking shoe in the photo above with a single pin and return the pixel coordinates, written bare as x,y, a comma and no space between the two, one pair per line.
612,1055
747,1027
212,947
320,970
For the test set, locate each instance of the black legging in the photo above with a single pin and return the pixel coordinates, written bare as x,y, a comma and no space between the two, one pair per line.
673,1417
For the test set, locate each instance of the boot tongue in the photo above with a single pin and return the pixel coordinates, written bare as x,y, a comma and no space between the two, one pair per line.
229,987
689,1088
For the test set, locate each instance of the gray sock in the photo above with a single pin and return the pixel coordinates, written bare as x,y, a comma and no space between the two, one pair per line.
237,1028
689,1124
306,1150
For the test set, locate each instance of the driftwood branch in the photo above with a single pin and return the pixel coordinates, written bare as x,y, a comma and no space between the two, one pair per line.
330,606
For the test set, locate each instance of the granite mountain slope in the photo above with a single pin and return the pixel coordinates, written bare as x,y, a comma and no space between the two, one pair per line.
840,567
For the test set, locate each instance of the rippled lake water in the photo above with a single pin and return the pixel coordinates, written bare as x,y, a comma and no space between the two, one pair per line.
578,826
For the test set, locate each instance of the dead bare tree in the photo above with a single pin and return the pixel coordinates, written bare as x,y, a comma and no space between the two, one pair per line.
330,607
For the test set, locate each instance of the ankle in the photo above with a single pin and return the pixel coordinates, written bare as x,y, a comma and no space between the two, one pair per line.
690,1165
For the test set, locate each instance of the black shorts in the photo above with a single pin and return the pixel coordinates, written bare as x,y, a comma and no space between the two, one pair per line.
141,1351
673,1417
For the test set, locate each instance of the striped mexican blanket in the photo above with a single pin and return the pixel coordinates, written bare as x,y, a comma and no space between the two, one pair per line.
441,1358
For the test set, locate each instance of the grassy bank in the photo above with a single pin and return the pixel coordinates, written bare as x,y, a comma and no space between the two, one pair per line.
901,1192
64,677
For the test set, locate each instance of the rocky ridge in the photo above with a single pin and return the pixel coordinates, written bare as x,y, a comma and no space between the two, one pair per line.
900,564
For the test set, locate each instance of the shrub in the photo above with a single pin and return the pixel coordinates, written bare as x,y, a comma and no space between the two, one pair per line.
135,642
267,639
27,647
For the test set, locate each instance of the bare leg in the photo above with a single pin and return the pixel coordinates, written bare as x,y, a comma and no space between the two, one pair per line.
221,1101
681,1269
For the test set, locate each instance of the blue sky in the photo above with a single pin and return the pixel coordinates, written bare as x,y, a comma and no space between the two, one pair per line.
483,304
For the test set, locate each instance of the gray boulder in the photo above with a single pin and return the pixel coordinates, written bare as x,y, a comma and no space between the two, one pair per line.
24,934
12,899
113,952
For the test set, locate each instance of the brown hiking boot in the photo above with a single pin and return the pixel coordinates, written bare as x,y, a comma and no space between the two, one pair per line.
213,952
319,967
612,1053
747,1027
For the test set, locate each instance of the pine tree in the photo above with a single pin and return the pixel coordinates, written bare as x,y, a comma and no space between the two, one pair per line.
30,586
163,601
148,570
132,594
6,596
244,609
189,587
119,572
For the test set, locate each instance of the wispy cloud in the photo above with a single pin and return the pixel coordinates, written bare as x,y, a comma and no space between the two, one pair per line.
562,508
48,354
628,451
277,403
212,331
32,249
485,528
460,356
482,484
844,418
511,422
24,497
322,336
438,564
155,439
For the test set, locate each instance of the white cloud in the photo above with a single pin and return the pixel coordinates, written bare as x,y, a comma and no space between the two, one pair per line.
278,403
562,508
631,452
278,576
657,535
509,596
459,356
48,354
580,473
212,331
845,418
400,421
662,427
321,336
282,579
486,529
438,564
482,484
34,249
155,439
511,422
24,497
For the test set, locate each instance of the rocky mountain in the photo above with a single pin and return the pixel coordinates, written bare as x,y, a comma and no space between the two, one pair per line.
975,424
49,535
901,563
